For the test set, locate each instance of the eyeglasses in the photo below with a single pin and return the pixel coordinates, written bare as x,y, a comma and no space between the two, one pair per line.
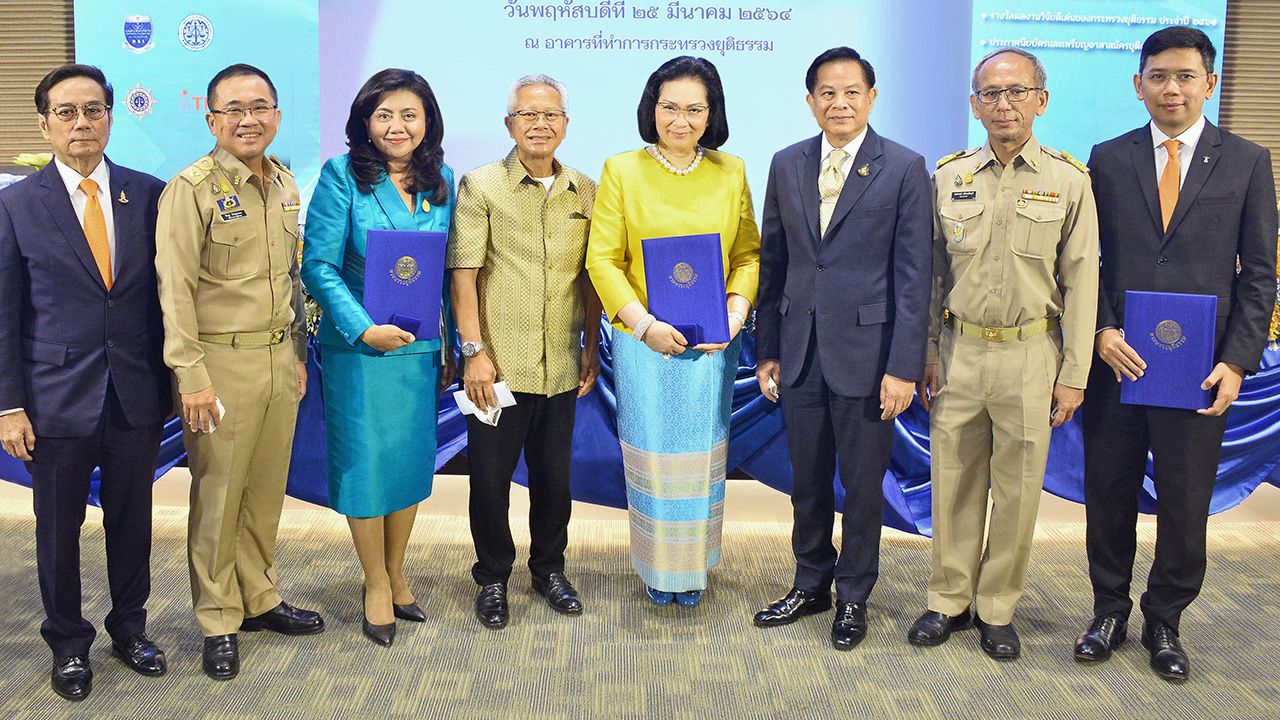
1015,94
236,114
671,111
551,116
69,113
1159,79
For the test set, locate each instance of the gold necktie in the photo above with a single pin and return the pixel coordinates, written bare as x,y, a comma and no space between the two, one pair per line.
1170,180
95,230
830,182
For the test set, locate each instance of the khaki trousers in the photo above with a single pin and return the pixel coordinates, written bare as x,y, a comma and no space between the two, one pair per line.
989,430
238,476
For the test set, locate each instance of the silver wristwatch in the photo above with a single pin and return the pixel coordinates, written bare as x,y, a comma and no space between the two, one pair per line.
469,349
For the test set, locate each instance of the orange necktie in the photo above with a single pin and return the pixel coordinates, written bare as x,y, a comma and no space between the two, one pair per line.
1170,179
95,229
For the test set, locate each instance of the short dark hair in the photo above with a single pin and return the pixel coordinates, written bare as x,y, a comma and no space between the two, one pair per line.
66,72
838,54
699,69
1177,38
238,70
369,165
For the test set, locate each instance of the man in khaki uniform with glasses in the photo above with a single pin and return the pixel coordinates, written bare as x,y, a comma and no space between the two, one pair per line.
227,264
1015,296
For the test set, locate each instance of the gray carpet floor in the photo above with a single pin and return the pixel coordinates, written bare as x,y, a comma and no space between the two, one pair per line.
627,659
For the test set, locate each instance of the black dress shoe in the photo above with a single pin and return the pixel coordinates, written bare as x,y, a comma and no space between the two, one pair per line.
999,641
286,620
140,654
795,605
221,659
410,612
491,605
1105,634
850,626
934,628
383,635
559,593
1168,658
71,677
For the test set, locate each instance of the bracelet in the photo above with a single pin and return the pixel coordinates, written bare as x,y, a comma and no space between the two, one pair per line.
735,315
643,326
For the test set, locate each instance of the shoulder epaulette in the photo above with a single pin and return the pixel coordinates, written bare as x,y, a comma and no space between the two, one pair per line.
957,156
280,164
1067,158
196,172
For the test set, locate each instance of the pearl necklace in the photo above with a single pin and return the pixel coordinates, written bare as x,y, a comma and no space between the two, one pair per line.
664,162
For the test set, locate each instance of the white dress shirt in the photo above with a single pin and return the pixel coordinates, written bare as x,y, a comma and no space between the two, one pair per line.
1186,152
852,148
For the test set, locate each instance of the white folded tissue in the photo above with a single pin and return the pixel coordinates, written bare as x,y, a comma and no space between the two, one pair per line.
488,416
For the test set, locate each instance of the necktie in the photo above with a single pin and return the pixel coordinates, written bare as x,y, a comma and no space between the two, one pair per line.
830,182
1170,179
95,230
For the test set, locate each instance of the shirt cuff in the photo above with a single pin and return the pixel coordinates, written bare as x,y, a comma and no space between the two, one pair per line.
193,379
11,411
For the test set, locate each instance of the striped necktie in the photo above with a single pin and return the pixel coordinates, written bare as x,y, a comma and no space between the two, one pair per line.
95,230
830,182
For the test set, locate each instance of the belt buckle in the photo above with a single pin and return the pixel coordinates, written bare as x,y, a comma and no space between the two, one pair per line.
991,334
277,336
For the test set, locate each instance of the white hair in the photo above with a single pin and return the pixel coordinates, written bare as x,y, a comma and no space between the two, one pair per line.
539,79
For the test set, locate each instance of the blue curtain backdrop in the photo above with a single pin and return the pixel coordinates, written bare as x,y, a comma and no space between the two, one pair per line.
758,445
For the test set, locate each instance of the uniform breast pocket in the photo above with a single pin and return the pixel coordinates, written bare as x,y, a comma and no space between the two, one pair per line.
962,225
1037,230
233,252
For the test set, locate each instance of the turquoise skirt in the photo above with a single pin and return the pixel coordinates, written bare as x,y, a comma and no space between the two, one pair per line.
673,424
380,425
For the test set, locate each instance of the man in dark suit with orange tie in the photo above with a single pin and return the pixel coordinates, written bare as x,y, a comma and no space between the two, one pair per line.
845,276
82,380
1183,207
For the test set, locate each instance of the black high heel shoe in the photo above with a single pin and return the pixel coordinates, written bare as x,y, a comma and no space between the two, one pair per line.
410,612
383,635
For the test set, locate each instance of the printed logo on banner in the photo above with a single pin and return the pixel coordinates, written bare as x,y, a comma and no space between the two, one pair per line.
139,101
195,32
137,33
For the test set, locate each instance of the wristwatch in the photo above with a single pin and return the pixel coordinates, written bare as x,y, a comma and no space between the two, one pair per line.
469,349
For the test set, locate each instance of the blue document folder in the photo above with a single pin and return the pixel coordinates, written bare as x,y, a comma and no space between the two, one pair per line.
684,276
1173,333
403,280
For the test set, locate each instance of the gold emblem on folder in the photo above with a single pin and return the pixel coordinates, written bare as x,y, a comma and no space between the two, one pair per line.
406,270
683,276
1168,334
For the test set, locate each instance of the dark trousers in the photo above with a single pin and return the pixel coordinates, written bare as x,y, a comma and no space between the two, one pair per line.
60,470
541,427
1185,447
826,431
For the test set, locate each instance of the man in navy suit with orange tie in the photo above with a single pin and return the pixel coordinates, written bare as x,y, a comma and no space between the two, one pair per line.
82,380
845,276
1183,207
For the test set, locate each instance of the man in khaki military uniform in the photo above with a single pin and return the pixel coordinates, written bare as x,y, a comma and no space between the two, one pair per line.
226,260
519,229
1015,296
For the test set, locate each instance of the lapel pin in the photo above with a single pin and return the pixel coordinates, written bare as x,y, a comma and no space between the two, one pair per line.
123,199
968,178
426,205
864,171
1206,159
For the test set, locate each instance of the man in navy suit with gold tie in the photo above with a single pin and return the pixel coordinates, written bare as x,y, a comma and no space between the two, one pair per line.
1183,207
82,380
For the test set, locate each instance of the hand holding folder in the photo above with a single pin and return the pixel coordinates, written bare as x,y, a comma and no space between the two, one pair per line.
684,277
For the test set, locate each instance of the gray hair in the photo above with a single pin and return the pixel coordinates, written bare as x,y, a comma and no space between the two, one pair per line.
539,79
1042,77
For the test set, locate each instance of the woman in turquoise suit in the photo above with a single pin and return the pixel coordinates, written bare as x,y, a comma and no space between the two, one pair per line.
381,384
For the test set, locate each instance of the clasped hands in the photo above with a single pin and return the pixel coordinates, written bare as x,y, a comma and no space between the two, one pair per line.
663,338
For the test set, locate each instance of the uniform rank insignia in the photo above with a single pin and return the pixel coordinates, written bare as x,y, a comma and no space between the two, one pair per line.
1048,196
229,202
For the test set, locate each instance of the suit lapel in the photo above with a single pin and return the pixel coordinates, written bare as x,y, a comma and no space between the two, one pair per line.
122,214
1143,155
58,203
393,207
857,183
1203,160
807,169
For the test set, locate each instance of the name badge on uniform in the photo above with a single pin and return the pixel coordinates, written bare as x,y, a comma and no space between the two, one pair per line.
233,215
967,195
291,206
228,203
957,232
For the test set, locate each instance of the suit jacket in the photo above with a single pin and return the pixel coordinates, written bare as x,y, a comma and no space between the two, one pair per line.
1226,209
63,335
864,287
339,218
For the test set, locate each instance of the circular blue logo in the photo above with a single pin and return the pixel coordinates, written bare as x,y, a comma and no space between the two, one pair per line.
195,32
139,102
